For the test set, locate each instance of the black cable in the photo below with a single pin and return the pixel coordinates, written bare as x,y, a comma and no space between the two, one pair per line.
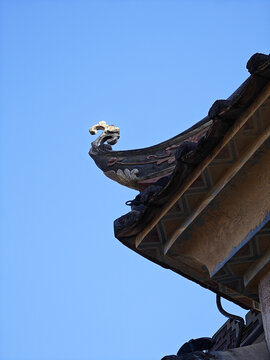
239,319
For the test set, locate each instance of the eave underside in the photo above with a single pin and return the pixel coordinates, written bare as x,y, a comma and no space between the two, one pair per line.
169,237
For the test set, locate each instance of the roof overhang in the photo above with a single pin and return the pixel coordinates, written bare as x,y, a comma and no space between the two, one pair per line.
209,223
204,206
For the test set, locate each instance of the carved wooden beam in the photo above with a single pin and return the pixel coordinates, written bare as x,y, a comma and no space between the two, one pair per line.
219,186
261,98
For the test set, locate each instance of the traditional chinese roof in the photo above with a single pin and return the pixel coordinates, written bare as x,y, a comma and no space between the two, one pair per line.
203,208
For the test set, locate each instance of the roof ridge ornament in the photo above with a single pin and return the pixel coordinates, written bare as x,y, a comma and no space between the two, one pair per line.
110,134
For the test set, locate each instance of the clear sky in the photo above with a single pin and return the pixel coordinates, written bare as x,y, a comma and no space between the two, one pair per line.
68,289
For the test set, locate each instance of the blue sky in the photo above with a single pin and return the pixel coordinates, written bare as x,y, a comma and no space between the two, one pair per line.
68,289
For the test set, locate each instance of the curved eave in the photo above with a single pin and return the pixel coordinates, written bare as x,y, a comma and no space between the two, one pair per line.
223,113
140,167
138,230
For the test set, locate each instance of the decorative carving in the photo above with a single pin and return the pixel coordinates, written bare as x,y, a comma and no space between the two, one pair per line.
115,160
141,200
158,159
184,148
166,157
110,134
199,344
137,169
219,108
168,153
194,350
127,177
126,222
256,61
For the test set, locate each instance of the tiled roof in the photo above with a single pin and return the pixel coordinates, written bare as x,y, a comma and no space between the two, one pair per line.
152,226
181,178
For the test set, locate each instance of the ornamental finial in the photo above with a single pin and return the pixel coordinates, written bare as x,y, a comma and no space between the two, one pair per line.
110,134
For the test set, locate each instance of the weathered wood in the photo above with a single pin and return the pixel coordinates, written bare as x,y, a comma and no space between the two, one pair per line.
177,193
218,108
140,168
233,170
257,269
256,61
